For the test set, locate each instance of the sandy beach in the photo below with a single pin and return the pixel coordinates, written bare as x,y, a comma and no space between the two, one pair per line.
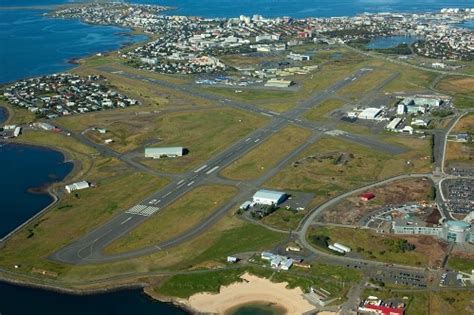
251,289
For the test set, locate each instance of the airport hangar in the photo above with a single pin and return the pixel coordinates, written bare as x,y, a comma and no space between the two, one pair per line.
268,197
158,153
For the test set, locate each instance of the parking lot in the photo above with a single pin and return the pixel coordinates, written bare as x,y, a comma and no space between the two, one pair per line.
460,195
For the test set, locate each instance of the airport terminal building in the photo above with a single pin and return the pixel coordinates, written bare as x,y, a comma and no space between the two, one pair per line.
451,231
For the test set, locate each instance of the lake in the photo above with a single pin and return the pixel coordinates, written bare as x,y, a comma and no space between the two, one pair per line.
390,42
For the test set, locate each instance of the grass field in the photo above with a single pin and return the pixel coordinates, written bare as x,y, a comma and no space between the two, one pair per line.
202,132
379,247
195,206
459,153
322,110
16,115
258,161
456,85
409,80
358,88
284,219
326,177
461,262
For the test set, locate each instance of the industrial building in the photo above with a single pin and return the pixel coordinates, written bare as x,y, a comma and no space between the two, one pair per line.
370,113
158,153
77,186
268,197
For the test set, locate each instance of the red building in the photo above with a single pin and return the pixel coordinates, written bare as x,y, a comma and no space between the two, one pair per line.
367,196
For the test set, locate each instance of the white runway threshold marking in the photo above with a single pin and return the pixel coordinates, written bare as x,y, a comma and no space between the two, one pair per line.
200,169
142,210
212,170
126,220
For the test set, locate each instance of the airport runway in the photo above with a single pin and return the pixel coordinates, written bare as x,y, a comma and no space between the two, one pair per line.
89,248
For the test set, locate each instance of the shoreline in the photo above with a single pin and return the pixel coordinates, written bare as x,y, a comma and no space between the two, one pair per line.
251,290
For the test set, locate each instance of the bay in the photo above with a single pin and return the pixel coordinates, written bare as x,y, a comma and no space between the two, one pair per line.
33,44
16,300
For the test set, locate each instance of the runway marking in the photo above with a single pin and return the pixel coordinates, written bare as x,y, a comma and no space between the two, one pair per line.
200,169
274,113
167,194
190,183
136,209
248,139
257,140
126,220
212,170
180,182
266,114
148,211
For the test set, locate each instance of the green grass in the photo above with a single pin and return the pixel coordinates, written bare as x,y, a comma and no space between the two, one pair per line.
258,161
322,110
183,286
284,219
370,245
175,219
356,89
240,239
461,264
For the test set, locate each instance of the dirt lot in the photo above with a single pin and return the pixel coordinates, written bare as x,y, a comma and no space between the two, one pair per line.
352,209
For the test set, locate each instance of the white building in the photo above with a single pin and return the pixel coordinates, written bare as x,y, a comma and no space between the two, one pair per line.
157,153
393,124
370,113
268,197
279,83
77,186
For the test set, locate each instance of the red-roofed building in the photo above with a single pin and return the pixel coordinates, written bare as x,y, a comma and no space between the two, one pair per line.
367,196
384,310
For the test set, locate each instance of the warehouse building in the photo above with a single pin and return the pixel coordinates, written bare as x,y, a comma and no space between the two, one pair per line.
276,83
370,113
268,197
158,153
77,186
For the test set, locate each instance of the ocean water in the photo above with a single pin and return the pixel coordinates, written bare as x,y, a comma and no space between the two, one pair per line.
257,308
33,44
16,300
271,8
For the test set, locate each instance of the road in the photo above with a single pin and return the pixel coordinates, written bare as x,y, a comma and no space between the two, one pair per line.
89,248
